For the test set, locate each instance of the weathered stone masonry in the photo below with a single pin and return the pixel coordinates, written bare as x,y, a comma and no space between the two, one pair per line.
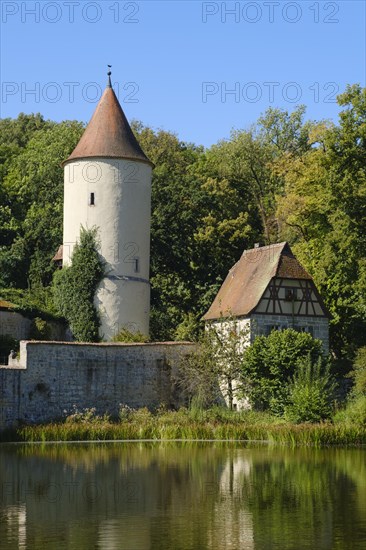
16,325
50,378
319,326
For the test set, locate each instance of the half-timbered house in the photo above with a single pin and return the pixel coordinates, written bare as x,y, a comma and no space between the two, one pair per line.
268,289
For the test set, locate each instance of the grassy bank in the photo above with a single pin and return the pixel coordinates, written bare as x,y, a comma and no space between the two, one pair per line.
216,424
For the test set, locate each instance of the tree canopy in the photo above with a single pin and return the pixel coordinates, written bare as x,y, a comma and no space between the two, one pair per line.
284,178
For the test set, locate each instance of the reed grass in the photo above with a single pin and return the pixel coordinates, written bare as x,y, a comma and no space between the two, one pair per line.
212,424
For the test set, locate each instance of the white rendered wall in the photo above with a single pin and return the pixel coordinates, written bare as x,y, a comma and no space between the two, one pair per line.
122,203
242,326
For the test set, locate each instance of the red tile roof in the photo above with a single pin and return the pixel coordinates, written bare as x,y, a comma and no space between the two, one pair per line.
59,254
249,277
4,304
108,134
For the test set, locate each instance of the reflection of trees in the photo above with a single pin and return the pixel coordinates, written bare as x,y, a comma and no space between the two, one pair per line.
181,496
306,489
352,463
112,493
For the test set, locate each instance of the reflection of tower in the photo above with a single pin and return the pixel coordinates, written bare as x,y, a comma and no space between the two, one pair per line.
107,184
16,520
232,526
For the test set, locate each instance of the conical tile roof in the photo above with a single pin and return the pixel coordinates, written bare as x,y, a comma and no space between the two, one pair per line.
108,134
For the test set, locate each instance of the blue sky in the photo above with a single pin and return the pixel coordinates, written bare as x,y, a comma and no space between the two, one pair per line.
196,68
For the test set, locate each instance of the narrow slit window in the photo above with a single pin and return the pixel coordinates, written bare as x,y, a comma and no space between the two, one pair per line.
92,199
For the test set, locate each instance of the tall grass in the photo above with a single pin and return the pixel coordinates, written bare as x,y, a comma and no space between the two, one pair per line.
213,424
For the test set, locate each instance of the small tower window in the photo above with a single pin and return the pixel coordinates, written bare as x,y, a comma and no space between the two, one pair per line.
92,199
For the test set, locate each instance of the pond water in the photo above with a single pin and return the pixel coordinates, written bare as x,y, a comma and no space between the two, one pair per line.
181,495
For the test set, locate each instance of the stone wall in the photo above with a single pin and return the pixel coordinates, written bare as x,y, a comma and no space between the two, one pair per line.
50,378
14,324
262,324
19,327
317,326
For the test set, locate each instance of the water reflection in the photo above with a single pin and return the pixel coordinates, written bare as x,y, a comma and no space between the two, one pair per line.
181,496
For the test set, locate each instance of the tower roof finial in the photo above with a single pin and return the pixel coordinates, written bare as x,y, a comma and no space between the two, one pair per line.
109,85
108,134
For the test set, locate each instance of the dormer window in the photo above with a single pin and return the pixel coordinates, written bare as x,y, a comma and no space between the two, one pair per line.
92,199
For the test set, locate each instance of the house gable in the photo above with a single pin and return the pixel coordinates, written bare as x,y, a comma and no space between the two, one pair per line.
268,280
296,297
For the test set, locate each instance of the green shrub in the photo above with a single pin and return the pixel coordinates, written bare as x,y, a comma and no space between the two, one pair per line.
32,302
125,413
86,416
127,336
40,329
354,414
358,373
311,392
270,362
74,288
189,328
142,416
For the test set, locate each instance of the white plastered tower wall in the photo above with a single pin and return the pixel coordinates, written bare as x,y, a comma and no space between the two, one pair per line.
107,185
113,195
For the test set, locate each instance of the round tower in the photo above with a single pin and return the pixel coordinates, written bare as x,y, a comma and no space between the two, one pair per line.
107,184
